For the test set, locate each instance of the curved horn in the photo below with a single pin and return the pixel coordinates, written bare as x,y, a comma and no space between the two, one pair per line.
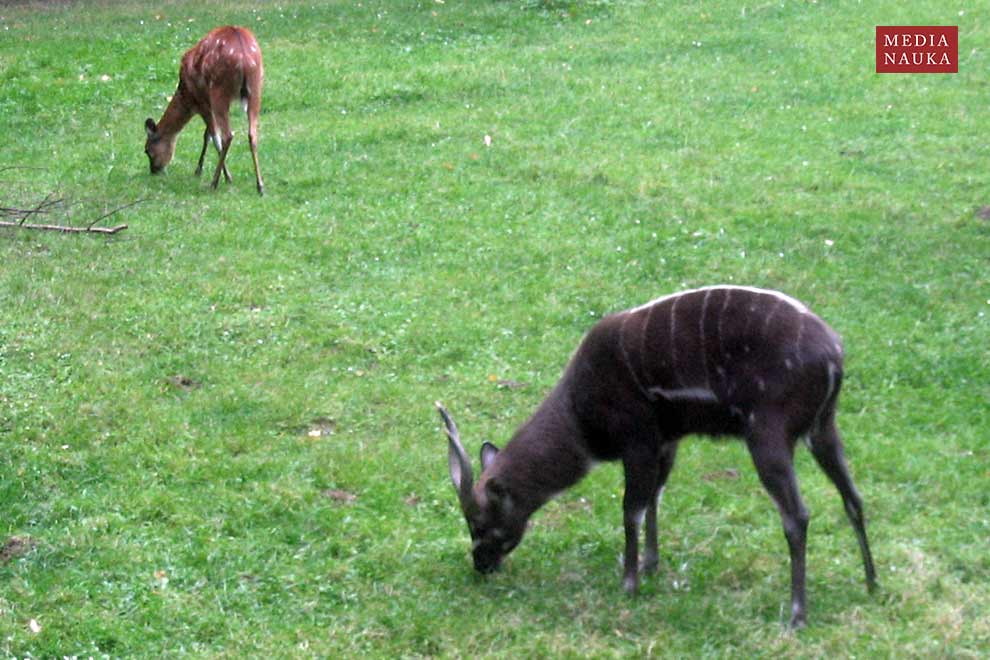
460,465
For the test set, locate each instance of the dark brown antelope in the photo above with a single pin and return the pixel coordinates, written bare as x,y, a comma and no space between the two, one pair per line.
723,360
225,65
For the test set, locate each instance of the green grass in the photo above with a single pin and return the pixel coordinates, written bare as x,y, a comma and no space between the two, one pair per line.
157,388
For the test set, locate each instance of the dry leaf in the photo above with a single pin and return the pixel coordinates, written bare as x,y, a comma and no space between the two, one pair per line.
509,384
727,473
338,495
319,427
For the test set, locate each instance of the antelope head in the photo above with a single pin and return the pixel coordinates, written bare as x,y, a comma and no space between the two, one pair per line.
495,519
158,147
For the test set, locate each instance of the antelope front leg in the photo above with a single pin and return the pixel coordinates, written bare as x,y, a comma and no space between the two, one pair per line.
651,549
202,154
222,165
222,134
651,555
641,487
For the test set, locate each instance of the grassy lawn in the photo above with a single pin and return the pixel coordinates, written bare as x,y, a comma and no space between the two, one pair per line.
217,434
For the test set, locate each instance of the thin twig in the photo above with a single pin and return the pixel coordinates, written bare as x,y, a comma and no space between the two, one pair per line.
66,229
43,207
119,208
19,167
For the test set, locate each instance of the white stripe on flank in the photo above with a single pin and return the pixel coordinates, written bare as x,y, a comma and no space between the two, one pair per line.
796,304
721,317
828,395
686,394
701,338
797,341
673,340
625,358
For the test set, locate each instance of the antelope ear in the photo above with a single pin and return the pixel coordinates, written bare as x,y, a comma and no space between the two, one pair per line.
149,127
457,459
488,453
460,467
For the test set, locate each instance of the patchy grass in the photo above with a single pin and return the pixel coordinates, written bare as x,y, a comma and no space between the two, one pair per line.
217,428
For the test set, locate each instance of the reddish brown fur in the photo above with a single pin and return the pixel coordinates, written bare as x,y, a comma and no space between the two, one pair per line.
225,65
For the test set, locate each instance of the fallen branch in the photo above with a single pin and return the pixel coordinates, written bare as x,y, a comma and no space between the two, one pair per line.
51,201
64,228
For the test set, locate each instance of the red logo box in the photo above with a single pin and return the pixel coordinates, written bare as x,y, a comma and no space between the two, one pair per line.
917,49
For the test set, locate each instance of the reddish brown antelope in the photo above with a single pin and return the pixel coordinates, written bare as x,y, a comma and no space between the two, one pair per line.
224,65
722,360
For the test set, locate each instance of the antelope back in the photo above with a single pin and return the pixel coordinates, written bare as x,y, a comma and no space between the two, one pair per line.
729,344
224,65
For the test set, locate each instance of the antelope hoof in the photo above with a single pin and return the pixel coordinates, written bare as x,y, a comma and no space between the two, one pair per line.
798,620
630,584
649,565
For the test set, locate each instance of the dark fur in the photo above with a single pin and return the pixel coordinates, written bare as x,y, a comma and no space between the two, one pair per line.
716,361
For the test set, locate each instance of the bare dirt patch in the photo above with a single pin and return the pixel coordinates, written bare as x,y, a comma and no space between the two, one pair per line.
15,547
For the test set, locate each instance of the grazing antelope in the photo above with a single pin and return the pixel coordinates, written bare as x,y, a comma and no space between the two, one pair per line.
224,65
721,360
